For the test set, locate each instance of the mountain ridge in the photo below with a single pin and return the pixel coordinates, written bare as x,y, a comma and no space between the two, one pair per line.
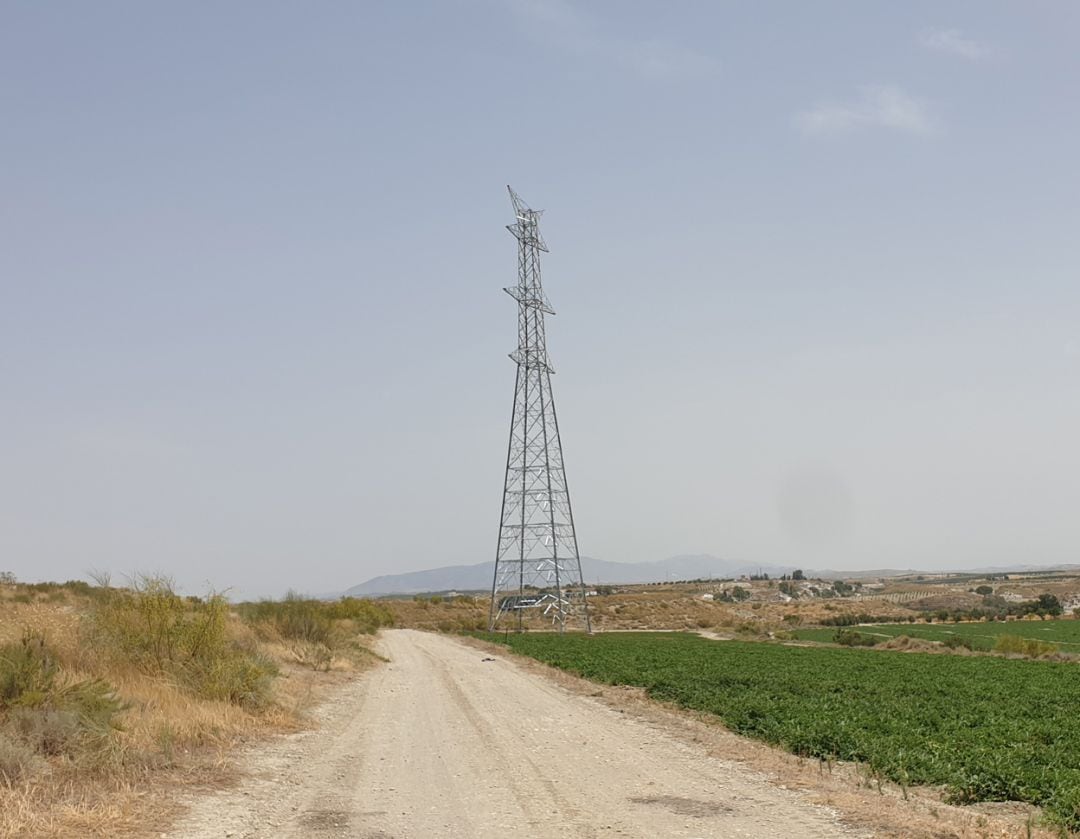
596,571
478,576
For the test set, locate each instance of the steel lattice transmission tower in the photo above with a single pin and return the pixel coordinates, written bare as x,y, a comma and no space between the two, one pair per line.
537,565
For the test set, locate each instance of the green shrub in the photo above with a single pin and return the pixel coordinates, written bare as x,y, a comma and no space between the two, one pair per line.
1030,647
41,715
27,672
851,619
186,638
155,628
296,618
236,677
366,615
851,638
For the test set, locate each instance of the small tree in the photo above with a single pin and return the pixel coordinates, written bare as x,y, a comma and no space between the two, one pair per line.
798,575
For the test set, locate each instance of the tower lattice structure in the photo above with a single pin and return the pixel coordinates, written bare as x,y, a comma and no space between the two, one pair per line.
537,564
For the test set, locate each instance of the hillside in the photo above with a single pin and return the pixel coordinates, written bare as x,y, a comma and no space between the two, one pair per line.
597,571
602,572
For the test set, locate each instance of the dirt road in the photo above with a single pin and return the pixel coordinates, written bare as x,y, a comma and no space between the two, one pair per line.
443,744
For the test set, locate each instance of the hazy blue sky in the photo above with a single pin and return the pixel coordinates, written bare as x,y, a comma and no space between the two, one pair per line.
816,269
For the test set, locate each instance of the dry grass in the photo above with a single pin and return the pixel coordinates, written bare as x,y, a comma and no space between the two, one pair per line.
676,608
169,737
451,614
685,607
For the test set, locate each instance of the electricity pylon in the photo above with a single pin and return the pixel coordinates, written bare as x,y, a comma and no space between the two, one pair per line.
537,565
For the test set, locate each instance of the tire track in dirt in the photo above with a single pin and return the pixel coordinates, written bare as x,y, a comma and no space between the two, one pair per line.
443,743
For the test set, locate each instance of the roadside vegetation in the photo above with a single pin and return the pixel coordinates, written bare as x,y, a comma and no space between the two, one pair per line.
111,694
315,633
440,613
983,728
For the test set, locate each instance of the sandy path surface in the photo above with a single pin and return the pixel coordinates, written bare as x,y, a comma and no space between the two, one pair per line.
440,743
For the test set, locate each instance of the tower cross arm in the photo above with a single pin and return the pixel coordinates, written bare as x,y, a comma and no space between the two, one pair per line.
528,297
527,227
529,234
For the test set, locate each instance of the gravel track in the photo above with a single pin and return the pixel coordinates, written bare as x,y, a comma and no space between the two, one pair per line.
444,743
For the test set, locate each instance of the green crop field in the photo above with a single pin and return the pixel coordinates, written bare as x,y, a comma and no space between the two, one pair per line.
989,729
1064,633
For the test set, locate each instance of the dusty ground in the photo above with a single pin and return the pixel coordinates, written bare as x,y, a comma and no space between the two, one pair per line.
443,743
465,742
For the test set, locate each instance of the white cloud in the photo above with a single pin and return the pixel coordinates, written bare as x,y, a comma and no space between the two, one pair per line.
877,107
562,25
954,42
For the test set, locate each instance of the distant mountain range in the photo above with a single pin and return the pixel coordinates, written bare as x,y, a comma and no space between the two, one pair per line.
602,572
597,572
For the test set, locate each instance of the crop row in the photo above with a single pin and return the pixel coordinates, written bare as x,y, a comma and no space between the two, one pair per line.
988,729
